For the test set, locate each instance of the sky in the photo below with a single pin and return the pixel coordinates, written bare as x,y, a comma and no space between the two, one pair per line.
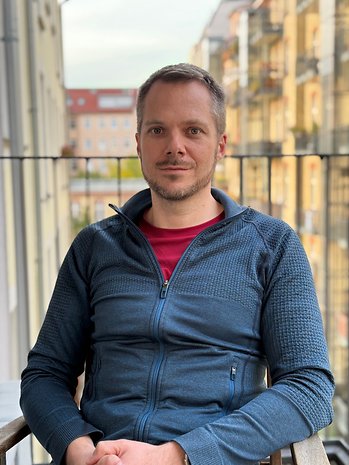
119,43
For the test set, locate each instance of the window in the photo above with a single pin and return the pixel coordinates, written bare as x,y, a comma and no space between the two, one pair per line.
88,144
87,123
115,101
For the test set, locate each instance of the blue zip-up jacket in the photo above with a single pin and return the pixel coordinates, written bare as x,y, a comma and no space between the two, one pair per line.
182,360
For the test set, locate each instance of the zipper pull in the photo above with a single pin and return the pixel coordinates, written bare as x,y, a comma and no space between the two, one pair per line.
164,288
233,370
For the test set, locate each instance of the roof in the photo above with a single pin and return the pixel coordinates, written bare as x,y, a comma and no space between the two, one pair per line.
101,100
218,26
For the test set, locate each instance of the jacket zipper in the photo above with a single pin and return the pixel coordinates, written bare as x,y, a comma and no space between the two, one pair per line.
233,370
157,367
142,421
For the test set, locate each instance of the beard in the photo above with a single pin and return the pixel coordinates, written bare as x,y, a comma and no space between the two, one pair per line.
166,192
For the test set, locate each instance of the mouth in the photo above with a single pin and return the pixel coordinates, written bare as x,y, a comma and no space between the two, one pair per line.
174,168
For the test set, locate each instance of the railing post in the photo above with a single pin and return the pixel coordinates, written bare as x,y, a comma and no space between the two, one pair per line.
241,188
270,208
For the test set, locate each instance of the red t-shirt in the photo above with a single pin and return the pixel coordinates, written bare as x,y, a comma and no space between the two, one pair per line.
169,244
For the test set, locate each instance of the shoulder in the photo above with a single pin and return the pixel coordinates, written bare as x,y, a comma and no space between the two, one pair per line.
100,228
274,232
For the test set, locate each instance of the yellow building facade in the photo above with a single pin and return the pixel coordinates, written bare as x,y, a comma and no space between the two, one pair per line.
286,68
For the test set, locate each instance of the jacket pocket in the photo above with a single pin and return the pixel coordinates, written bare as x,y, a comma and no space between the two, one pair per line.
91,377
229,407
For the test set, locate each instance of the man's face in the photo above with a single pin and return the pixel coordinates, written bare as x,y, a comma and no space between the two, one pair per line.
178,144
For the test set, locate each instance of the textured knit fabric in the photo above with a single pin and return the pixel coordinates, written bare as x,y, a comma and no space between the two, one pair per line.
183,360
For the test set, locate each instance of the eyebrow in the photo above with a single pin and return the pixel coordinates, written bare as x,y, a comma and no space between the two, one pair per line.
190,122
152,122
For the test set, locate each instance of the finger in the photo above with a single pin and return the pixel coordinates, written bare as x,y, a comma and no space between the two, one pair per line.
109,460
103,448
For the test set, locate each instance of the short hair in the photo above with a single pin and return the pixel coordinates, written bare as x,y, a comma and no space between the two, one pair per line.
185,72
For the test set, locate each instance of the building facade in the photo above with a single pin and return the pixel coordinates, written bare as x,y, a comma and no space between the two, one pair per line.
34,212
285,73
102,127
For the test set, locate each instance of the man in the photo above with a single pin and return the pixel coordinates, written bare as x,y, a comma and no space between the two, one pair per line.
175,306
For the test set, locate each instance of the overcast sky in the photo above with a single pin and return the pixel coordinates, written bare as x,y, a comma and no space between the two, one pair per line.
119,43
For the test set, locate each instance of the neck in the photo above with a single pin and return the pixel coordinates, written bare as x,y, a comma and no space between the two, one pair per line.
182,214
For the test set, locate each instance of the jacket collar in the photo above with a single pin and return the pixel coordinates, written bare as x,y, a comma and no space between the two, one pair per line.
134,207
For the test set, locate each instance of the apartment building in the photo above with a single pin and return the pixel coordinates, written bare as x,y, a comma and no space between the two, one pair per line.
207,51
285,74
102,125
34,200
102,122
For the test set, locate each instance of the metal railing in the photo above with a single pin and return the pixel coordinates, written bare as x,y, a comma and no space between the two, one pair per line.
310,191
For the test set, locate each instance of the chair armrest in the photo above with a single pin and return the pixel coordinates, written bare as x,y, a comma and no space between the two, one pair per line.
12,433
310,451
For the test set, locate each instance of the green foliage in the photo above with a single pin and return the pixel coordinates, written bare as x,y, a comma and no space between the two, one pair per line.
125,168
79,223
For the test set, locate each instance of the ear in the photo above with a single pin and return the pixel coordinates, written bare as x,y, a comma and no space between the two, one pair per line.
222,143
138,144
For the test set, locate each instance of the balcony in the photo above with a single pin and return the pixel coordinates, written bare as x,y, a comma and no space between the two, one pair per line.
235,99
263,28
309,6
232,46
306,142
307,66
266,81
342,45
264,147
341,139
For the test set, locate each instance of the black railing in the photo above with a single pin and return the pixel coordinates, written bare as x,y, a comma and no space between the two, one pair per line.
311,192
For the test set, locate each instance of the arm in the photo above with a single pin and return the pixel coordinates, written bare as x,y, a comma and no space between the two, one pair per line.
299,403
57,359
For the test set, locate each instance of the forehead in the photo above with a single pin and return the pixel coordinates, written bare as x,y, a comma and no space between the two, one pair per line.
181,98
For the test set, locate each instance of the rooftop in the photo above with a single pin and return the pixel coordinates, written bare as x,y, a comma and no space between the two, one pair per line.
101,100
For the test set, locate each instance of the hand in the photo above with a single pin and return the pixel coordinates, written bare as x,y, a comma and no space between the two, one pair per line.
126,452
79,451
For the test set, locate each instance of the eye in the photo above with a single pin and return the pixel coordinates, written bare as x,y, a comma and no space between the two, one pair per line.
194,131
156,131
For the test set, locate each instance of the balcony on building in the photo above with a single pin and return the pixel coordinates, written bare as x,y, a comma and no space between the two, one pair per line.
232,46
342,44
306,6
264,147
341,139
235,100
307,66
264,27
268,83
306,142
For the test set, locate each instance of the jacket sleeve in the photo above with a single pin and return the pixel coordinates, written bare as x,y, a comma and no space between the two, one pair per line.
300,401
49,381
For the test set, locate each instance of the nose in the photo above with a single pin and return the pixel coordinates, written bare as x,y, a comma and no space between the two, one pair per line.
175,143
